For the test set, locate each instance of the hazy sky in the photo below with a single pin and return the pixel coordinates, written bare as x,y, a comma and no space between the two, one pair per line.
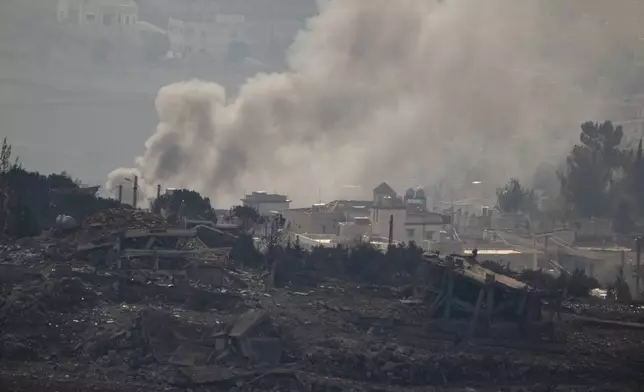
380,90
406,92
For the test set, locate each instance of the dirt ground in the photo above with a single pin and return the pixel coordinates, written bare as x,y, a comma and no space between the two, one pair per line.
66,328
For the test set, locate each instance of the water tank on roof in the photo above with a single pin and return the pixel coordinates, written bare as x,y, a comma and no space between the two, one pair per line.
420,193
410,194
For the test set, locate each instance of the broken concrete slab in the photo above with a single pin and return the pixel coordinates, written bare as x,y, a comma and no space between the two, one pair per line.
62,271
191,355
596,322
159,331
211,374
262,350
213,276
219,341
247,322
10,273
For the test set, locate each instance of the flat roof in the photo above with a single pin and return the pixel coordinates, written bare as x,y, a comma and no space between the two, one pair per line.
494,251
477,273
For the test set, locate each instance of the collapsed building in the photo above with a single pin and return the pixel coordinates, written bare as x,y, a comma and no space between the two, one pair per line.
126,300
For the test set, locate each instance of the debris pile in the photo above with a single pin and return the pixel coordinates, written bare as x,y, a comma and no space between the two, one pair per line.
125,218
101,225
166,312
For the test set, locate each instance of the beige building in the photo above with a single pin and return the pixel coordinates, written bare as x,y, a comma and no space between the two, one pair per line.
353,220
313,220
334,218
356,231
221,29
266,203
411,220
98,13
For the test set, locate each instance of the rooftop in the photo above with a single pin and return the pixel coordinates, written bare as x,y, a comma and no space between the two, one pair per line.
341,205
384,189
207,11
261,196
474,272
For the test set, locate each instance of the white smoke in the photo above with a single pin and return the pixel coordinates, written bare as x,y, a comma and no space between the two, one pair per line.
124,177
381,90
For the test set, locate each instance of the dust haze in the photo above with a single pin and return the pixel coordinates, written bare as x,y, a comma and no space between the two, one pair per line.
396,91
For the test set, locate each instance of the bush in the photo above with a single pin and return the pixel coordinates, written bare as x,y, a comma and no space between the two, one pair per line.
245,253
576,284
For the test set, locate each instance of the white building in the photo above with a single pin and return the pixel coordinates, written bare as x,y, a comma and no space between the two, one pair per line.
266,203
240,28
212,37
107,13
336,217
355,231
411,220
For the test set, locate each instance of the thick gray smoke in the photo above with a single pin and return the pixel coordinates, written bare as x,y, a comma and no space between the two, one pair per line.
384,90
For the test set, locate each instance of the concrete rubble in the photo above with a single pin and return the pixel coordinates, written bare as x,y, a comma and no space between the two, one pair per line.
77,322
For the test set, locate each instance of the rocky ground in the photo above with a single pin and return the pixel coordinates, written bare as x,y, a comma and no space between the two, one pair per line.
67,328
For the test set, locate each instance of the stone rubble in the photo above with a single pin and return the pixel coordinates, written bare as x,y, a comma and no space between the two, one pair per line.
63,322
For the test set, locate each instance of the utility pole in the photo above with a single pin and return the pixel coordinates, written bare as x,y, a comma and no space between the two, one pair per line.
638,259
120,194
158,191
391,230
535,263
135,190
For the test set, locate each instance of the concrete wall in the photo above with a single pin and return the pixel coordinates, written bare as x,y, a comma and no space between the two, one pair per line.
593,228
419,232
308,222
380,222
351,232
448,247
265,208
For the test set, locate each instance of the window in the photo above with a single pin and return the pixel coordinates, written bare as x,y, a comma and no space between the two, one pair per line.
429,235
90,17
411,233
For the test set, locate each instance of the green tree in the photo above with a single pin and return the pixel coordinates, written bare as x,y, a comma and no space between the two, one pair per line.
622,221
247,215
5,166
514,198
186,203
603,139
634,179
587,182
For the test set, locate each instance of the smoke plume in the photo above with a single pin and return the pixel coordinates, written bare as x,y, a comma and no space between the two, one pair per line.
384,90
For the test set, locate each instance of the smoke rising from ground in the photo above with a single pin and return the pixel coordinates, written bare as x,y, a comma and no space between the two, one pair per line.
385,90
